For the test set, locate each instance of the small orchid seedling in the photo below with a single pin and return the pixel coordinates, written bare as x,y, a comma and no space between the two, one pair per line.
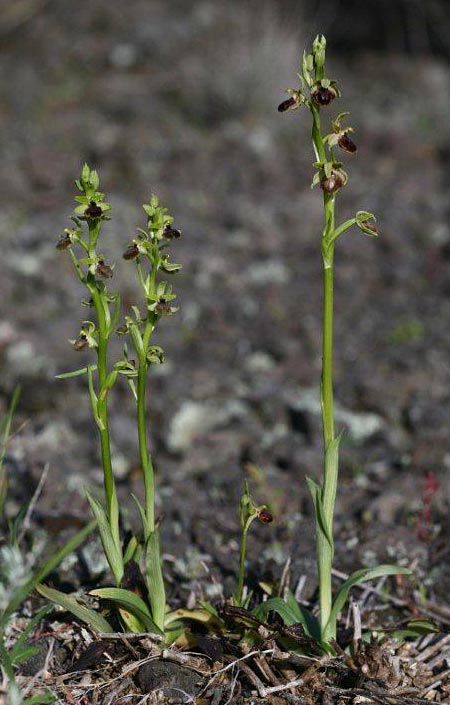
248,512
317,93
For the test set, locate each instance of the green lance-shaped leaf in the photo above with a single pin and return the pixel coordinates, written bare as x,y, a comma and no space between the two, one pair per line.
361,576
321,522
94,400
114,520
141,510
129,601
310,623
68,602
288,614
132,551
110,544
330,481
155,580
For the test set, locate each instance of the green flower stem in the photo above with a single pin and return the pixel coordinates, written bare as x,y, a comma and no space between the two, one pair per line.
318,144
324,549
141,346
101,409
241,575
153,556
146,459
103,320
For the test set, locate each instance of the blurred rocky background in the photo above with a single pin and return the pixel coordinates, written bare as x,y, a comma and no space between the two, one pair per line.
180,98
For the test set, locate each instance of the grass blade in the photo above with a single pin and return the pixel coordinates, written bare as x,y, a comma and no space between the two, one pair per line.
6,432
20,641
23,591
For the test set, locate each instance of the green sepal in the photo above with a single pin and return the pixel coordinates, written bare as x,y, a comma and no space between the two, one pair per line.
169,267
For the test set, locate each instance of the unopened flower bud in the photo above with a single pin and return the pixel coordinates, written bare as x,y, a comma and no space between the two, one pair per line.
104,270
318,49
93,210
170,233
346,143
155,354
323,96
366,222
64,242
131,252
264,516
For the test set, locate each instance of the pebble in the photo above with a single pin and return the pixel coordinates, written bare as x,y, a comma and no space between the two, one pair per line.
195,419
